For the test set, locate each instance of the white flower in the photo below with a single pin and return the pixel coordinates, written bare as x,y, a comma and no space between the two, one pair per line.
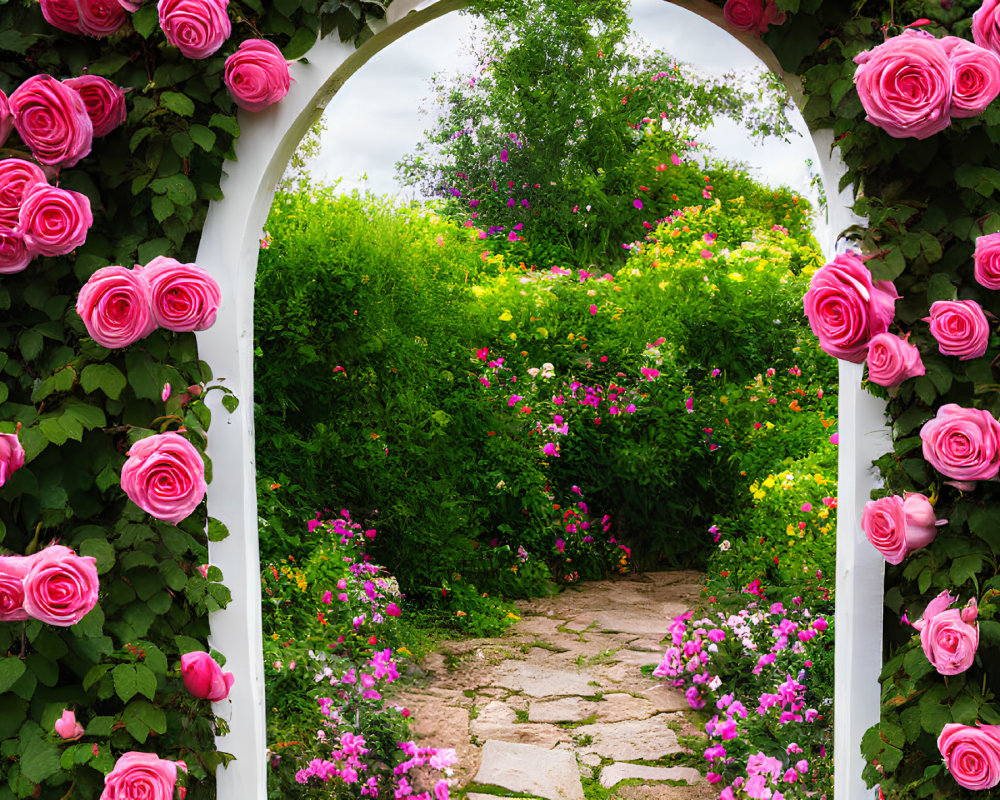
724,545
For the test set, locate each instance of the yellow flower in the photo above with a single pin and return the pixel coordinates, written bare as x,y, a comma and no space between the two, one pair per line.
505,316
512,615
769,481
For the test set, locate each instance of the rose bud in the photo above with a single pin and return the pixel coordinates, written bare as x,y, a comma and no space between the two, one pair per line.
204,678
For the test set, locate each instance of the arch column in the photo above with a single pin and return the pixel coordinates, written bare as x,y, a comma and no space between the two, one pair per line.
228,250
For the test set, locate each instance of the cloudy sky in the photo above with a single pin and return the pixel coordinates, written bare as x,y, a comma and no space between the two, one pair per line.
376,117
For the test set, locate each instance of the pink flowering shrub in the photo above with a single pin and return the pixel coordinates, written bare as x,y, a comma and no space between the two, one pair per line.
762,670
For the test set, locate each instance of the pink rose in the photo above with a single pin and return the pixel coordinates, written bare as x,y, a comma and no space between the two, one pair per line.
54,221
6,120
60,587
114,305
987,259
257,75
962,443
892,359
184,297
986,25
975,76
971,754
846,309
12,569
947,635
52,121
960,328
896,527
17,177
196,27
165,476
752,15
141,776
204,678
62,14
67,727
14,255
11,455
105,102
905,85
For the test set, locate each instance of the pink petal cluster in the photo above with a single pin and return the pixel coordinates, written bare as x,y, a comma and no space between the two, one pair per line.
913,84
949,636
67,727
11,456
141,776
892,359
986,25
971,754
97,18
54,585
165,476
257,75
962,443
846,308
896,526
105,102
960,328
17,177
753,16
52,120
6,120
195,27
120,306
204,678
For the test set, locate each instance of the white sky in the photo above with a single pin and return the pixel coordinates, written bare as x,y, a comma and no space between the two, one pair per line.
376,116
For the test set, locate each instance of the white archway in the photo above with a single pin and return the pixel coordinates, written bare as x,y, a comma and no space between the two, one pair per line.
229,250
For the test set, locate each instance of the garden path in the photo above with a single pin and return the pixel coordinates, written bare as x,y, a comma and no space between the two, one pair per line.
560,697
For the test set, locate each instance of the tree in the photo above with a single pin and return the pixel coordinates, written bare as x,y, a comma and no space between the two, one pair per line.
565,118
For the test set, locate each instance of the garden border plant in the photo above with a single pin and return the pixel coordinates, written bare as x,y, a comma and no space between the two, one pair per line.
924,181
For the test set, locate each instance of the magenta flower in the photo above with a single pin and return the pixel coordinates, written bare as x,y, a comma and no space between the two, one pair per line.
503,155
593,310
637,203
513,400
561,545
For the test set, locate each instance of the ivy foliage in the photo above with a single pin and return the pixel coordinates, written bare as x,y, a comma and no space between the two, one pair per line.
926,202
80,406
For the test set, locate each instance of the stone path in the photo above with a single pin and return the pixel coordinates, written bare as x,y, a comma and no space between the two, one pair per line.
560,697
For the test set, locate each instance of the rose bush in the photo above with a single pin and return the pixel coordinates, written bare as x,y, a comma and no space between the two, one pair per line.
846,308
53,221
52,120
142,776
196,27
105,102
204,678
165,476
892,360
754,16
971,754
896,526
60,587
257,75
962,443
182,297
114,305
905,85
960,328
12,571
947,635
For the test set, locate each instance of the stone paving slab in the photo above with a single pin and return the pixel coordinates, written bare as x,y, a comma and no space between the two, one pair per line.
648,739
537,680
525,768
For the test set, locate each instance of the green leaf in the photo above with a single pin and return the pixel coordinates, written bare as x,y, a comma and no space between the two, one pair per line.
162,207
138,137
145,21
217,531
182,144
94,674
100,549
940,288
153,248
30,344
230,402
39,759
225,123
126,684
203,137
178,103
99,726
965,709
964,569
145,680
11,668
301,43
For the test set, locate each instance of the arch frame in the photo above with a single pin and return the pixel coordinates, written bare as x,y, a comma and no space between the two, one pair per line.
229,250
